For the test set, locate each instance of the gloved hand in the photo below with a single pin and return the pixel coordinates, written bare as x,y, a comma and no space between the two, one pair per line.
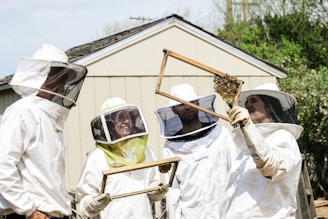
239,115
159,193
265,159
92,205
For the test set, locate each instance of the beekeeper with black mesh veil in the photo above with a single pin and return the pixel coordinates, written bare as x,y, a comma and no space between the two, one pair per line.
32,160
264,179
206,150
121,135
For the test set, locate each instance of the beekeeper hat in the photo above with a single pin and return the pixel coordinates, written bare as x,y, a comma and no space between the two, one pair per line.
58,58
32,73
112,103
183,91
270,89
102,125
50,53
116,103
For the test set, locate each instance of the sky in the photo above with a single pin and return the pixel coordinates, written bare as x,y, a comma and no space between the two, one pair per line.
26,25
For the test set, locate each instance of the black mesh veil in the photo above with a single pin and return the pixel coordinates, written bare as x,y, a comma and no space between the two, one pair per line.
281,105
170,123
64,82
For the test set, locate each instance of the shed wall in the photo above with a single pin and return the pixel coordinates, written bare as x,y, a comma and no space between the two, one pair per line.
136,90
139,90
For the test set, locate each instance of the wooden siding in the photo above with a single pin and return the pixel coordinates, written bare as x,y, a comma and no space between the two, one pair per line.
138,90
135,90
7,97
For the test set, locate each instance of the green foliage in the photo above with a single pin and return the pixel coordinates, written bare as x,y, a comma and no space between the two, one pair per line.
299,45
311,36
311,93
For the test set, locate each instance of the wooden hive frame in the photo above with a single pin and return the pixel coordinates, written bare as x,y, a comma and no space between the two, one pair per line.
164,166
227,86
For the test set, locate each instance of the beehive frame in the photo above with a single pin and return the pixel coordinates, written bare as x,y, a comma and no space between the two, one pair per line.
164,166
219,77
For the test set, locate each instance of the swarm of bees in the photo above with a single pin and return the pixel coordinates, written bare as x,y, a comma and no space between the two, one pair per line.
226,86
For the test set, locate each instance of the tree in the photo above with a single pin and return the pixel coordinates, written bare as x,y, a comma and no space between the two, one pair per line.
296,41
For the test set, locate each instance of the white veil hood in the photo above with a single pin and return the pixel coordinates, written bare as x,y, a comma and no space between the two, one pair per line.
33,72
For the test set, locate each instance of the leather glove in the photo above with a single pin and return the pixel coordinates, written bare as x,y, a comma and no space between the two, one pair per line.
92,205
265,159
159,193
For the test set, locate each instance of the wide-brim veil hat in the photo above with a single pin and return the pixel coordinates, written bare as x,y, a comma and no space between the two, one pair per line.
270,89
33,72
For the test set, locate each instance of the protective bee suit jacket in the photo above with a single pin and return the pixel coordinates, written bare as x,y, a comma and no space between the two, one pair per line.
201,176
249,193
32,142
32,161
136,206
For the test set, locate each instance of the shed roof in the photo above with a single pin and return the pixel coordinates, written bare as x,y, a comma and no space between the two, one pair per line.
82,51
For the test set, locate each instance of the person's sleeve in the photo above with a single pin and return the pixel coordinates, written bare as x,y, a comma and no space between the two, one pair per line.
88,186
286,149
266,160
12,132
172,197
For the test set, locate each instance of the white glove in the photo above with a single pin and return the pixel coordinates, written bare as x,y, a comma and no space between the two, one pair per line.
265,159
159,193
239,115
92,205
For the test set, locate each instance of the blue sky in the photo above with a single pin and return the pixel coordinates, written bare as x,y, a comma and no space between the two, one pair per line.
26,25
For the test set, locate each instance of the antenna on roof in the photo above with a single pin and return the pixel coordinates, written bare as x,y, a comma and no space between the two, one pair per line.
143,19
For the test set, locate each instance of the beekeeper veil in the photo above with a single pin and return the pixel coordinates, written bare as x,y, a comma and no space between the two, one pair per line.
121,132
170,123
281,105
118,121
48,74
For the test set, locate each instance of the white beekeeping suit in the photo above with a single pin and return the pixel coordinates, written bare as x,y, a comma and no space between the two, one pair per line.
264,178
114,150
206,156
32,160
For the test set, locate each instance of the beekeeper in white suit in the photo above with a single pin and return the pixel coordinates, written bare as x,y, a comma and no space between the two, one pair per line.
32,161
121,135
264,179
206,149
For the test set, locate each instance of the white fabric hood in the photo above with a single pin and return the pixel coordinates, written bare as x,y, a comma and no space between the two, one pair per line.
47,70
